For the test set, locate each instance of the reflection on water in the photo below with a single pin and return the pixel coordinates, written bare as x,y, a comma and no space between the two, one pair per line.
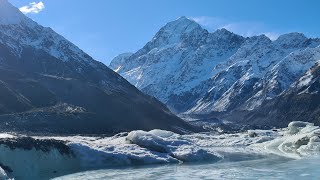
264,168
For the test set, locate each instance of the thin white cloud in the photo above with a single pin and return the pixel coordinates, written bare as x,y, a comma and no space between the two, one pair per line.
246,29
209,22
272,35
33,7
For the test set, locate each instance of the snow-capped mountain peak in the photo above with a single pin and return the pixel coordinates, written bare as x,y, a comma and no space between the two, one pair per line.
194,71
18,30
291,40
180,26
10,14
176,31
222,32
42,74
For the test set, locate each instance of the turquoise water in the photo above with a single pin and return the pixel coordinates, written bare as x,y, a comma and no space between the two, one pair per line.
272,167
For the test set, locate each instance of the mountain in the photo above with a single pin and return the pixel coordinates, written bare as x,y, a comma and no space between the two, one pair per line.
49,85
193,71
263,74
180,56
300,102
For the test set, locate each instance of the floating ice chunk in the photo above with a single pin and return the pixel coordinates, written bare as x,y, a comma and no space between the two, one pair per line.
3,174
301,138
252,133
264,139
118,155
315,132
193,154
155,143
312,148
296,126
313,145
162,133
176,147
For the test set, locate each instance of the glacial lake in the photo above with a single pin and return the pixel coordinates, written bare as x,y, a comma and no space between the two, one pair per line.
272,167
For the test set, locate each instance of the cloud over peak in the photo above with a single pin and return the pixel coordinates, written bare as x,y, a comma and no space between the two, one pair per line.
33,7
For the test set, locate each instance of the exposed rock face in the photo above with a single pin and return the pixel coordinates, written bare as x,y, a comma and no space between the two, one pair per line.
47,84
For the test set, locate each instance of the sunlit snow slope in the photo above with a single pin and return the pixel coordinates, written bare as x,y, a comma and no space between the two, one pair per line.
193,71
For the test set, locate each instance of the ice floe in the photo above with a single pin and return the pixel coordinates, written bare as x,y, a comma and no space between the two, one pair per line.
28,157
298,140
177,147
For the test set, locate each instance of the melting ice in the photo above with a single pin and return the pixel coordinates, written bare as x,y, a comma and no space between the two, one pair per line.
252,154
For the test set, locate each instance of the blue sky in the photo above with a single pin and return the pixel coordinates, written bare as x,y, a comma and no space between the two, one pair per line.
106,28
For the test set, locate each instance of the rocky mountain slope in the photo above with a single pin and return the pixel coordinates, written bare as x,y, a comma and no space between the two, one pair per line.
47,84
193,71
301,102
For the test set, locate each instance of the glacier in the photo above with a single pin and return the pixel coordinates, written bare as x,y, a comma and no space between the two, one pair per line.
24,157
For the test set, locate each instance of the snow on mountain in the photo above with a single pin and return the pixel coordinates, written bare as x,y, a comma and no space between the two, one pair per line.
47,84
308,83
16,30
196,72
268,70
178,58
300,101
119,60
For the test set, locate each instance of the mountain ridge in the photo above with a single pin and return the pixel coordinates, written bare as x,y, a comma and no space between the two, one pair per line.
49,85
218,71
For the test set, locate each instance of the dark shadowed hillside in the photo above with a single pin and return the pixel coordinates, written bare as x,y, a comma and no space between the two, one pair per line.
47,84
